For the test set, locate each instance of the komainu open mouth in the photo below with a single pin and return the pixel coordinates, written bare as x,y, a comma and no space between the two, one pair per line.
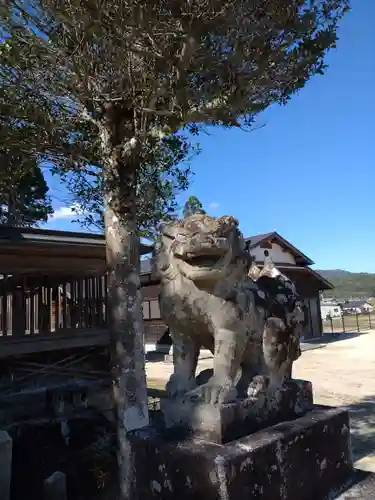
203,260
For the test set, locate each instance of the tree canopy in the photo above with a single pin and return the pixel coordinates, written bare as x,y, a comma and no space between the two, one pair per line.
99,82
46,126
167,173
193,206
24,200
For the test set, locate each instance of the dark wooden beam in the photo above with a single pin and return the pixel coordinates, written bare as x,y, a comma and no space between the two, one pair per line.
70,339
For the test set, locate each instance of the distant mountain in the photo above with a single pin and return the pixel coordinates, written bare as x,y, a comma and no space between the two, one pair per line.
333,273
349,285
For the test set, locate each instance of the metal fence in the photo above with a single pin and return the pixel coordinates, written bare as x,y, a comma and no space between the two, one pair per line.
350,323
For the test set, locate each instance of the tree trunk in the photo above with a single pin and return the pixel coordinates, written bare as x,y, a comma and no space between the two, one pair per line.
125,319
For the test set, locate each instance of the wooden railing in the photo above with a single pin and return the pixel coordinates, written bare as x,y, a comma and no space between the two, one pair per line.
37,306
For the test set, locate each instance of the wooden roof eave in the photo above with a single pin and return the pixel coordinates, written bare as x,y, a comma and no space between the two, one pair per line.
307,271
65,256
50,236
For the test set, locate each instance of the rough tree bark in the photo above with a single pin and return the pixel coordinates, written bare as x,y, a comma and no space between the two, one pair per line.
125,313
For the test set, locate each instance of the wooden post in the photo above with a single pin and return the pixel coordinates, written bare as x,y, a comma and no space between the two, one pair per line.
86,302
73,304
64,306
4,307
31,299
49,306
98,295
18,312
79,302
56,312
105,299
41,310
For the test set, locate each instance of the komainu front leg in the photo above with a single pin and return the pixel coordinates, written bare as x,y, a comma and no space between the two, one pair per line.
221,388
185,358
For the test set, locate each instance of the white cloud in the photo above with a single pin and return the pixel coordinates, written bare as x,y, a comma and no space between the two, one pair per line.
213,205
65,213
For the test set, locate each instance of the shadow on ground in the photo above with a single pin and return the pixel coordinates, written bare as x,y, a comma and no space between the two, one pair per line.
362,426
329,338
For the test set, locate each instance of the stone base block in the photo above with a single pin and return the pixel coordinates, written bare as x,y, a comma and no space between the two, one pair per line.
229,421
305,459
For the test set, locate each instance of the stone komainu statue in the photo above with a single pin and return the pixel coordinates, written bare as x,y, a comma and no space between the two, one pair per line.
213,296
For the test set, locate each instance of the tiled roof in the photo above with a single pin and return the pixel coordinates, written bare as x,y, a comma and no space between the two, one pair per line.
354,304
254,240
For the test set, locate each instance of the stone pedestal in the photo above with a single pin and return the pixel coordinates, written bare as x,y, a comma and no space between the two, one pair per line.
229,421
305,459
6,446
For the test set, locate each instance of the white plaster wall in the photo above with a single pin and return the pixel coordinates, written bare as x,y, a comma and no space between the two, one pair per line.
334,311
276,253
150,347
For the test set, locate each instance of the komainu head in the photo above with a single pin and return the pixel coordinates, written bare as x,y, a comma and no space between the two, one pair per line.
201,247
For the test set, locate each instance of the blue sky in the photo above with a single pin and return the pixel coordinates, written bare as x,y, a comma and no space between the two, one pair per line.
309,173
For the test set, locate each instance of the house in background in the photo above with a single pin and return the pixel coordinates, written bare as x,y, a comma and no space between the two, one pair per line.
357,307
291,261
330,310
296,266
